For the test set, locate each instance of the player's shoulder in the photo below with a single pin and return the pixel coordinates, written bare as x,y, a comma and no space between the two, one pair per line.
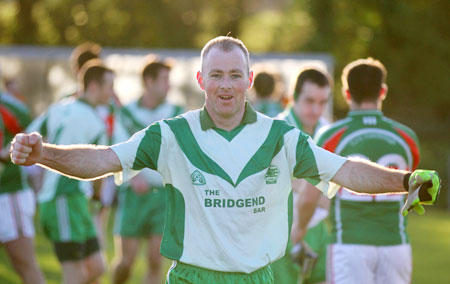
399,127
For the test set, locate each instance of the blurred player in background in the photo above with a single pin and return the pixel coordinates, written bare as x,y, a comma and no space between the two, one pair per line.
369,240
311,95
64,212
17,199
264,87
142,202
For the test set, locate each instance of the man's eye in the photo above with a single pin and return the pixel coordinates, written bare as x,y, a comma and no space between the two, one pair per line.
236,76
215,75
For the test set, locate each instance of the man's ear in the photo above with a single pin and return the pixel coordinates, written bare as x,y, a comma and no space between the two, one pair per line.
200,80
383,91
250,79
347,95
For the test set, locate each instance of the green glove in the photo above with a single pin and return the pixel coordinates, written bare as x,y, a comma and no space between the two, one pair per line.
423,188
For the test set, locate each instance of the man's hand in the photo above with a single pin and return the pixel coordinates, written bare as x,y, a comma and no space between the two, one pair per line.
424,186
26,149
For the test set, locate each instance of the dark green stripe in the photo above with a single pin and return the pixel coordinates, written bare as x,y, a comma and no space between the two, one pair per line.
268,150
191,149
306,165
173,237
148,151
131,123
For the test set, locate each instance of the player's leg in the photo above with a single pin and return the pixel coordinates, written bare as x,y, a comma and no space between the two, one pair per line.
127,249
73,272
351,264
395,265
94,265
17,233
154,260
21,253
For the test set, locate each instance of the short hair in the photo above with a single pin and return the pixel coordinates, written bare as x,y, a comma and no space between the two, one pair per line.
313,75
225,43
83,53
264,84
154,65
93,71
364,79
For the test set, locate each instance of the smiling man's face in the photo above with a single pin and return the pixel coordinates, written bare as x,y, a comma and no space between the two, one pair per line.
225,78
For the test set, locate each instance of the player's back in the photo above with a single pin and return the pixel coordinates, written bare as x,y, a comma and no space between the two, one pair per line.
370,219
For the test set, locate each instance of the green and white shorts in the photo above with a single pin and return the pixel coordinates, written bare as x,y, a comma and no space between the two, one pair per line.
182,273
67,222
140,215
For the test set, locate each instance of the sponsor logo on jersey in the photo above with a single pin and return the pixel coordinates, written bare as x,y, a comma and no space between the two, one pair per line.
197,178
272,174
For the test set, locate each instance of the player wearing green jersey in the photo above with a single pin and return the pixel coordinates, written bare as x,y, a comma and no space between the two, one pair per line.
63,202
17,199
369,240
264,87
311,94
227,170
142,202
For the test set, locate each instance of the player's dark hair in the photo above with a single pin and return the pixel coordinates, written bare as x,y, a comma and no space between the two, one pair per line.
313,75
225,43
264,84
153,66
83,53
93,71
364,79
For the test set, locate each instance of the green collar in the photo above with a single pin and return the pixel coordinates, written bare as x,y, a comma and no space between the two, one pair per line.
83,100
207,123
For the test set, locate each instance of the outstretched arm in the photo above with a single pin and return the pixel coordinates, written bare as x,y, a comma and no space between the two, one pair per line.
363,176
78,161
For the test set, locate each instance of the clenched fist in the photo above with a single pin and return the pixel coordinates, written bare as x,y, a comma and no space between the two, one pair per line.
26,149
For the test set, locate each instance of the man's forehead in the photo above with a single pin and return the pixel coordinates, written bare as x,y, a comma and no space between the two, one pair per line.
218,59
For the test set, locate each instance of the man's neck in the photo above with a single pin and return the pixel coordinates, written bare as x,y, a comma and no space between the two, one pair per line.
306,128
227,123
366,105
89,99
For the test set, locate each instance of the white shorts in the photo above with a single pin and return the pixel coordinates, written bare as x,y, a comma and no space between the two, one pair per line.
365,264
16,215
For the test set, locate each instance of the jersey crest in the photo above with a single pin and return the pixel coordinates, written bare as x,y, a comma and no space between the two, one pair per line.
272,174
197,178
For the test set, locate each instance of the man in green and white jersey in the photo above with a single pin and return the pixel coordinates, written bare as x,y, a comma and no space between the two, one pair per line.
369,240
227,172
311,94
64,212
17,199
142,202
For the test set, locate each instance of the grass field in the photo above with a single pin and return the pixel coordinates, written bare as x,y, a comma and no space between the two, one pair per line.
430,239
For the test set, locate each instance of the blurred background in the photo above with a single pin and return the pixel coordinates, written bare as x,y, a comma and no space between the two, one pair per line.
411,38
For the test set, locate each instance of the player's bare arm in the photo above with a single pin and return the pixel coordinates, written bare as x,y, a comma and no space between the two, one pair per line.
306,204
364,176
78,161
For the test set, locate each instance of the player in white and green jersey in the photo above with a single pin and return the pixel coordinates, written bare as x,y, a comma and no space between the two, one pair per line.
17,199
369,232
64,211
228,174
142,202
311,94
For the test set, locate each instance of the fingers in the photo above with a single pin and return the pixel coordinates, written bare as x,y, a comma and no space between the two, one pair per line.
419,209
21,148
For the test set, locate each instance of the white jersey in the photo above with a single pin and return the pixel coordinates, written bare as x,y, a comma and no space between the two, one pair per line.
71,121
229,194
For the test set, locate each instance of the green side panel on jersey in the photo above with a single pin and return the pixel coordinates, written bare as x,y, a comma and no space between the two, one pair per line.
148,151
268,150
173,236
386,223
191,149
305,156
67,186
